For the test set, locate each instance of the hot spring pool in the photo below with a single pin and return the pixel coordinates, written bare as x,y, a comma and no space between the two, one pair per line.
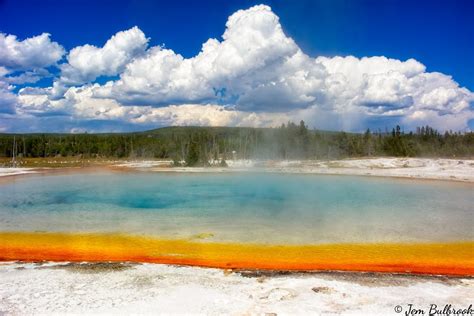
241,207
240,221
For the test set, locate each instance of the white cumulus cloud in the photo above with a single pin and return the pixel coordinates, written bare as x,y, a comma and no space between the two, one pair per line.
34,52
22,62
254,75
8,99
86,63
79,104
253,43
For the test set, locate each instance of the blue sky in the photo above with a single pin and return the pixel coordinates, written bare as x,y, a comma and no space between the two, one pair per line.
437,34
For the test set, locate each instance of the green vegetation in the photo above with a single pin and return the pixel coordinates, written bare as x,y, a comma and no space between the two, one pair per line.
194,146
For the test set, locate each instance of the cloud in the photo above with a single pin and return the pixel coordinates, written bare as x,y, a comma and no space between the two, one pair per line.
253,44
86,63
391,87
23,62
25,77
258,68
79,104
31,53
255,75
8,100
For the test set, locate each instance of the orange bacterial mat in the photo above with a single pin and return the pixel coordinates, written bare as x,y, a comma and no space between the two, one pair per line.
454,258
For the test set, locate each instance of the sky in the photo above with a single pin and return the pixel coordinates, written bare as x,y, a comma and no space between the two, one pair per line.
128,65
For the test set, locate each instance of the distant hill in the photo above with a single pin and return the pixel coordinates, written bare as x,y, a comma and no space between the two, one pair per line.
198,145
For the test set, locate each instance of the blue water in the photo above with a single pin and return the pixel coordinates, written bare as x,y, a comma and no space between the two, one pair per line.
250,207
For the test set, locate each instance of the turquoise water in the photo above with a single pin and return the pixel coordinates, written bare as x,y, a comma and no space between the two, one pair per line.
250,207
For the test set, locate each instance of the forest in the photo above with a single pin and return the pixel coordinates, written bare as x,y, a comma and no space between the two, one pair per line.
199,145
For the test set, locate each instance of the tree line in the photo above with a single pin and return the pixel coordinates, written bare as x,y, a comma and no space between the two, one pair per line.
202,145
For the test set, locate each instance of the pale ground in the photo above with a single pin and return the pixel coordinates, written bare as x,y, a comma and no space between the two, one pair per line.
419,168
443,169
14,171
54,288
